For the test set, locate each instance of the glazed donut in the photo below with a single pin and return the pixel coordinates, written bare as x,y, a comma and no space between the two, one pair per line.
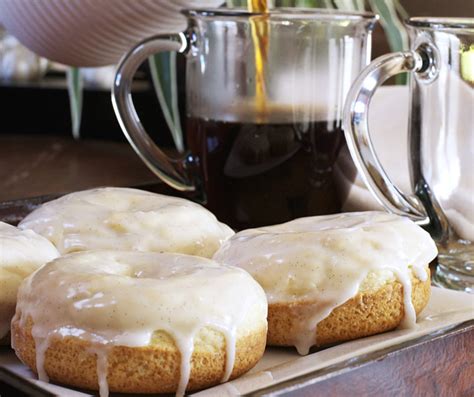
127,219
338,277
139,322
21,253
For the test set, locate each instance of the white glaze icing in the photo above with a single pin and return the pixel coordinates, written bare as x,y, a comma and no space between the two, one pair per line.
102,367
111,298
21,253
327,260
127,219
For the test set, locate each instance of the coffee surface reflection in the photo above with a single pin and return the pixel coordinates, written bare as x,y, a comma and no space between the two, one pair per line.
265,173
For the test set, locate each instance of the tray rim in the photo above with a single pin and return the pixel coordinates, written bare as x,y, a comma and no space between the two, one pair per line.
300,382
297,383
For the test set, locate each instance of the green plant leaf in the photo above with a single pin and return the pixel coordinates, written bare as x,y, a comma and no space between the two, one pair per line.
396,33
75,86
394,28
165,82
400,10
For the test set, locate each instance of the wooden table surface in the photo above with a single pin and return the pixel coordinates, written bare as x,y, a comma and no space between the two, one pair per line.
440,366
39,165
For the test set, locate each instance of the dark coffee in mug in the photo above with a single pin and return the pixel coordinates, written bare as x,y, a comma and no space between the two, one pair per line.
261,172
264,98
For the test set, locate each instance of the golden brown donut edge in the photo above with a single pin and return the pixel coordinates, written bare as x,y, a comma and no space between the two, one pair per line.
366,314
150,369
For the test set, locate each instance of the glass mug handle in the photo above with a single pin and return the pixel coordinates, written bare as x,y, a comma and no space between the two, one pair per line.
175,172
357,130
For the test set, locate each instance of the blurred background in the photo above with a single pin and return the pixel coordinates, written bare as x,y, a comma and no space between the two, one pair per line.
45,104
34,97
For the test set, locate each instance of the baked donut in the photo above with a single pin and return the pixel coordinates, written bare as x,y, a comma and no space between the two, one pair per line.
127,219
338,277
21,253
139,322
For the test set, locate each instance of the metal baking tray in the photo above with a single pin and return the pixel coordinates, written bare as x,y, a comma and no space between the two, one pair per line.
14,384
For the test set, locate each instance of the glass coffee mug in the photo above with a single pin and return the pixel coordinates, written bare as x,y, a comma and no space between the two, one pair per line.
265,95
441,139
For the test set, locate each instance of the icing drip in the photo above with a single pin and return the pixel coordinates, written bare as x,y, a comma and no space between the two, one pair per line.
230,338
325,261
186,347
102,364
127,219
101,351
110,298
314,314
41,346
409,318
